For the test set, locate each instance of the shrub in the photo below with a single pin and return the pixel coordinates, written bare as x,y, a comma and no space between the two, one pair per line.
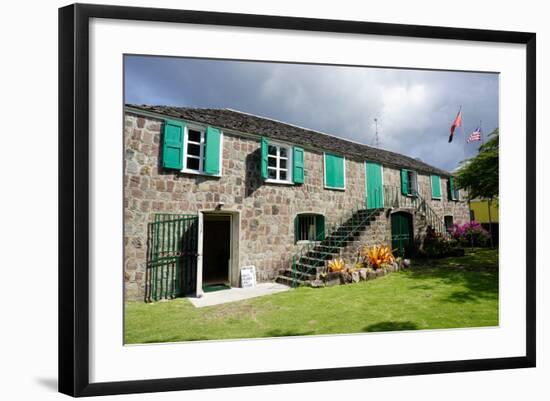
336,265
358,265
436,244
377,255
470,234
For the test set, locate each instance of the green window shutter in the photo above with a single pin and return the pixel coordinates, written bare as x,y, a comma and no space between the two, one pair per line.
264,150
334,171
172,145
375,189
319,227
298,168
212,151
436,187
404,182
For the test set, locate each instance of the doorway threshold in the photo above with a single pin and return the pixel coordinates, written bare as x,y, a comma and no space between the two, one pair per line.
215,287
237,294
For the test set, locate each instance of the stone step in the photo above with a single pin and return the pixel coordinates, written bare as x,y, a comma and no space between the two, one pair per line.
295,283
299,275
326,249
341,236
350,228
360,218
320,255
312,261
306,268
339,243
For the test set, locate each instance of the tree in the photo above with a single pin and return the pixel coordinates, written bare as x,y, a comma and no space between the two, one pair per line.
479,175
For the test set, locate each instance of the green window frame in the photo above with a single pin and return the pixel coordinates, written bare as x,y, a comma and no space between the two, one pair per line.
436,186
192,148
309,227
452,192
335,171
264,143
448,221
281,163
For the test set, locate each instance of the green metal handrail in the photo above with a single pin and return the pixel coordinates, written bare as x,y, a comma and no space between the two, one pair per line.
434,220
393,197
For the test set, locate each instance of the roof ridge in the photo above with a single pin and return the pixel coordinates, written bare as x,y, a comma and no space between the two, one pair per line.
300,127
327,134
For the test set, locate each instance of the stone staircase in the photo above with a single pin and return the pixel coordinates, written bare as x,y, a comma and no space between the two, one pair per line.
307,265
346,238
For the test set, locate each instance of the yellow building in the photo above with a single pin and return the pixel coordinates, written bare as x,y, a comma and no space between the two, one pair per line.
480,211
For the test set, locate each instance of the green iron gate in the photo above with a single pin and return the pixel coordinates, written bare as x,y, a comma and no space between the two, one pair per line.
402,233
171,256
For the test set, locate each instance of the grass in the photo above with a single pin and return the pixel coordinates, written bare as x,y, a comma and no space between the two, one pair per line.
435,294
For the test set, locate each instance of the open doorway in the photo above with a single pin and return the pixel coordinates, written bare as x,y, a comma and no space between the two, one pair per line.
216,251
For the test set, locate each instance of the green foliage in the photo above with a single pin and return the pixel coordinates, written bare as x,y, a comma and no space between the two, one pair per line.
479,175
437,245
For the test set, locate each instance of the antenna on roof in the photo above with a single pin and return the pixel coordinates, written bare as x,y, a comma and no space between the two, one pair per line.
376,139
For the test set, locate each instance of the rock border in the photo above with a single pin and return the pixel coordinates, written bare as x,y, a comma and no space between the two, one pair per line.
363,274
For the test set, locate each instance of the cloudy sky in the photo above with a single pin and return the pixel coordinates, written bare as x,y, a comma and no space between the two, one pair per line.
414,108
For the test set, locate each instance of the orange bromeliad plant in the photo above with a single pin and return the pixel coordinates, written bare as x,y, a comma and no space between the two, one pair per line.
377,255
336,265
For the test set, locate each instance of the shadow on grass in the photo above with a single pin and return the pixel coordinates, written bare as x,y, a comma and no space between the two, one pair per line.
421,287
288,333
476,273
391,326
461,297
169,340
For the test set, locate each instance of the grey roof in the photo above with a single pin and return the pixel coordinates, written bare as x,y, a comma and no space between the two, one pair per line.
252,124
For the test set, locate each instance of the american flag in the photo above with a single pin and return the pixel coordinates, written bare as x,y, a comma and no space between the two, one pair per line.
474,136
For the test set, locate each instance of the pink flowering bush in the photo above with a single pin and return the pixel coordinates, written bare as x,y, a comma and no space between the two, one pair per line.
471,233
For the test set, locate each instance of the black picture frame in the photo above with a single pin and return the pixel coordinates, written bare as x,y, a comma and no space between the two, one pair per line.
74,198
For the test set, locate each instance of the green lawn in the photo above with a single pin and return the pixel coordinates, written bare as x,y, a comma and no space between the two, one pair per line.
444,293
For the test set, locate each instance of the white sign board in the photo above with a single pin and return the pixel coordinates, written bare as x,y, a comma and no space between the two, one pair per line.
248,276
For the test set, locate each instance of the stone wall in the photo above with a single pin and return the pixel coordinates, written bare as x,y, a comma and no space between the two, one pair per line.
267,211
442,207
377,233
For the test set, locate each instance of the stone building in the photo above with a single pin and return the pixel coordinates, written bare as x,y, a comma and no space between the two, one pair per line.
208,191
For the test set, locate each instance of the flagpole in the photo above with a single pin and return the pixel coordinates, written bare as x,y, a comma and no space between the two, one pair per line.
480,133
463,137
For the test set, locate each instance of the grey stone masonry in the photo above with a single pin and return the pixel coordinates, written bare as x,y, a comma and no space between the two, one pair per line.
378,233
266,210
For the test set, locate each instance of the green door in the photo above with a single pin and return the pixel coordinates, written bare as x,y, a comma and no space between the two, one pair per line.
375,193
401,233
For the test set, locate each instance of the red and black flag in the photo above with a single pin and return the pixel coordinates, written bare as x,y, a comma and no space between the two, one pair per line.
456,123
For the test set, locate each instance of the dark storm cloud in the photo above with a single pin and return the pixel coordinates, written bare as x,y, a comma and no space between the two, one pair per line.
414,108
